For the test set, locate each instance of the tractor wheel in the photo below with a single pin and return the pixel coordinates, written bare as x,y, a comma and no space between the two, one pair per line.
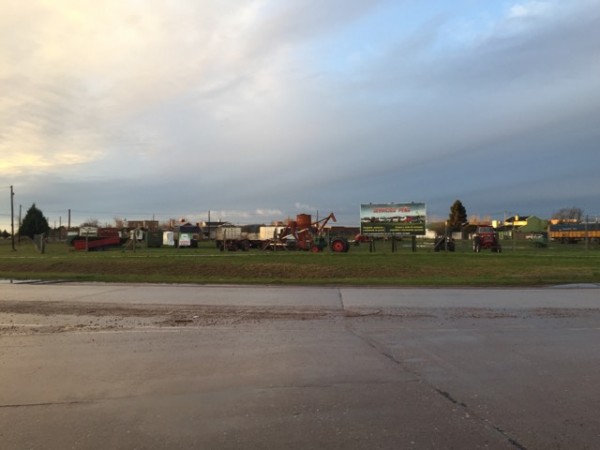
315,249
339,246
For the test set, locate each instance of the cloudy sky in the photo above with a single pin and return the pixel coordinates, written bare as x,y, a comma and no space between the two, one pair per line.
261,109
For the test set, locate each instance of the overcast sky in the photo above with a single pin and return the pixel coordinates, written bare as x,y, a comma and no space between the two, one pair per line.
261,109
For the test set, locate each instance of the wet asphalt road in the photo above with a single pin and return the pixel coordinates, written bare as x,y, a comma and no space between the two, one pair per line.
266,367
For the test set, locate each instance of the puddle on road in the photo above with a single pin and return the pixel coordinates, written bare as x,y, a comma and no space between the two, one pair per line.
6,281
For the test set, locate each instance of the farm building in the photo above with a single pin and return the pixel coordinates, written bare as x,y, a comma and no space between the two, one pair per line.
522,225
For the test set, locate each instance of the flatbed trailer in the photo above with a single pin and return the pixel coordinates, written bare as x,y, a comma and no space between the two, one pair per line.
574,232
96,243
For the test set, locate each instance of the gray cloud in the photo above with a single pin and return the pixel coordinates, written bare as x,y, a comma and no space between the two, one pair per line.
227,106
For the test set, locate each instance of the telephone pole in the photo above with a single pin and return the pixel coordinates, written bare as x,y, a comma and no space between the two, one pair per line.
20,223
12,217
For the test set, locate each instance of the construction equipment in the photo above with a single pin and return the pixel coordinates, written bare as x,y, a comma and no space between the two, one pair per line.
299,234
303,234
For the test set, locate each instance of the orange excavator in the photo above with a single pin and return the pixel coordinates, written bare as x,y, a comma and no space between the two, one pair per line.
303,234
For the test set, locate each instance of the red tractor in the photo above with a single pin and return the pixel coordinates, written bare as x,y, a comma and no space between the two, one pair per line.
486,238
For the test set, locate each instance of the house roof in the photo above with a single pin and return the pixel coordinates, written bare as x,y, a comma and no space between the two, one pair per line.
215,224
187,228
517,219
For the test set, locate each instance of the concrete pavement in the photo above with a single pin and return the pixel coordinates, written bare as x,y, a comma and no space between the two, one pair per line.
326,297
90,366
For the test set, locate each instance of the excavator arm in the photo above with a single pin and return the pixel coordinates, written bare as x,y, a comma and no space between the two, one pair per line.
320,225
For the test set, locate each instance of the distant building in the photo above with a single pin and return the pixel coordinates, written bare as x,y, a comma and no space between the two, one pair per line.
347,232
209,228
149,225
522,225
188,228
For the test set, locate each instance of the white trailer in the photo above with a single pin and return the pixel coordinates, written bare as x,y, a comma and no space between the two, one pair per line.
169,238
231,238
245,237
269,232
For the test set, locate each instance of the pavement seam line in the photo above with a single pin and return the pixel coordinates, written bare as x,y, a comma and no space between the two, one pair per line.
486,423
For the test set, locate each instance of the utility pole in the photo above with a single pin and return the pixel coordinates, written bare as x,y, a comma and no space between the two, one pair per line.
12,217
587,234
20,223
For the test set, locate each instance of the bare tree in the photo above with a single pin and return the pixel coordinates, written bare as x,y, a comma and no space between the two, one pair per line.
167,224
90,223
571,214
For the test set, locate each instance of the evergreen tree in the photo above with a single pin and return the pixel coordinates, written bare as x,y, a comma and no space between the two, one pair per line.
458,215
33,223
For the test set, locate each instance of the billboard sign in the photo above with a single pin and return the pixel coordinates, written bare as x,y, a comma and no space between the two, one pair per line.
393,218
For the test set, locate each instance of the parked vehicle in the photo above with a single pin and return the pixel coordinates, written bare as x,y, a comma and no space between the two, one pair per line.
304,234
573,232
94,238
299,234
486,238
232,238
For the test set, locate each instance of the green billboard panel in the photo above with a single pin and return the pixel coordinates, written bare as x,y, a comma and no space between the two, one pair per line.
393,218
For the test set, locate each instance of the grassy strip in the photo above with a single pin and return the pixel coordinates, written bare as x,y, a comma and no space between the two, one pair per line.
358,267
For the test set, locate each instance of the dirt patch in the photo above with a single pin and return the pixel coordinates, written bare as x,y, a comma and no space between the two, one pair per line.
59,317
27,318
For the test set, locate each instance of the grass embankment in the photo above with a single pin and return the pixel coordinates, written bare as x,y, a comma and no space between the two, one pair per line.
519,267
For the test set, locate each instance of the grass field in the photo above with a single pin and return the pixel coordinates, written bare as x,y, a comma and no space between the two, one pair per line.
520,264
